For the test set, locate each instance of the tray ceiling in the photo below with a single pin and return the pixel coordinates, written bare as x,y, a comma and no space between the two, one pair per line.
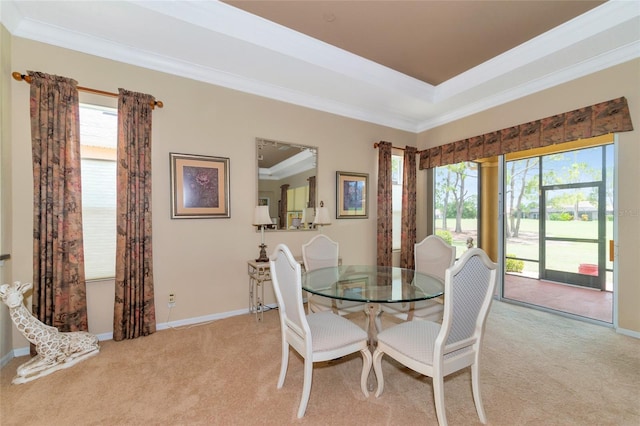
409,65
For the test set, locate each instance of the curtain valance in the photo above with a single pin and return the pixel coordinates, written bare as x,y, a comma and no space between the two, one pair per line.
595,120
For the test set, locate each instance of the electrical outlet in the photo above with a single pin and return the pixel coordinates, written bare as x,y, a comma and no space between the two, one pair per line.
172,300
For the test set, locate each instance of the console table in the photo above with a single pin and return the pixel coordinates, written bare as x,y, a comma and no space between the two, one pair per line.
258,274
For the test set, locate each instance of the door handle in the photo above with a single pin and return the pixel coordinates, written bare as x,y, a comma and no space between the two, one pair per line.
611,255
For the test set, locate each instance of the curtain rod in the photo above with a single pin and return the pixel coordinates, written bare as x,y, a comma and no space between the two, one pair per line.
375,145
22,77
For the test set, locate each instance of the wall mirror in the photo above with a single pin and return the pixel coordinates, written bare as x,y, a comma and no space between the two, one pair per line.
287,183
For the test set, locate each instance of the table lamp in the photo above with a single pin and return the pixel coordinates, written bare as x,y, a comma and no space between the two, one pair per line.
322,216
261,218
308,215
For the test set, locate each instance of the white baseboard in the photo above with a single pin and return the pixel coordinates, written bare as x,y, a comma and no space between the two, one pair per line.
198,320
629,333
159,326
8,357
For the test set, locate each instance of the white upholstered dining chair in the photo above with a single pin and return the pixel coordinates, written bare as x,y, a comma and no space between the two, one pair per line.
322,252
437,350
320,336
433,255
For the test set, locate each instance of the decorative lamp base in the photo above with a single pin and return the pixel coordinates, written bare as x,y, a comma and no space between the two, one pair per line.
263,254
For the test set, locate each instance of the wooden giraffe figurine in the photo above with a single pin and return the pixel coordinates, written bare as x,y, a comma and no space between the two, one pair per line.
55,350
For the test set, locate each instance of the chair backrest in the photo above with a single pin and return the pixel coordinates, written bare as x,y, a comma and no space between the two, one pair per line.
320,252
468,288
287,284
433,256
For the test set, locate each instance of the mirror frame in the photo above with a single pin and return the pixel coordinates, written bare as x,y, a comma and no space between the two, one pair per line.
303,160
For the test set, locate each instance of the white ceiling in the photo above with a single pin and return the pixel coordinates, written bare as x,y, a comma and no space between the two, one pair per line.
219,44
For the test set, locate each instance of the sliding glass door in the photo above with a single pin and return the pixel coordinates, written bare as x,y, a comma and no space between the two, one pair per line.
558,229
573,244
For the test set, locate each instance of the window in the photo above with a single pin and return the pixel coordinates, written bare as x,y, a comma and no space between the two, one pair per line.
98,141
456,204
397,162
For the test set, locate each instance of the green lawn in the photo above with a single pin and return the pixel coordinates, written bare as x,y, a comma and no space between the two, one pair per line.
560,255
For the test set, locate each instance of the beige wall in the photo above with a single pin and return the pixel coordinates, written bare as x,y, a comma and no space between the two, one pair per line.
202,261
622,80
5,182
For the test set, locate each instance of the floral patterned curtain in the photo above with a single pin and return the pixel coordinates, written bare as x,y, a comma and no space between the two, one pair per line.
385,211
408,237
134,310
59,288
606,117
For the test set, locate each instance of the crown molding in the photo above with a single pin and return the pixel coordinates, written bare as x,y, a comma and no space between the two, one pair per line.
334,81
599,63
225,19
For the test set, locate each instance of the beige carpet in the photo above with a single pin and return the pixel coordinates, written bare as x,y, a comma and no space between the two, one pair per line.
537,369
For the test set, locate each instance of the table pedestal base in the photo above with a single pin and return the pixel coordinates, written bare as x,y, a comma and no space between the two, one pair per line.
373,311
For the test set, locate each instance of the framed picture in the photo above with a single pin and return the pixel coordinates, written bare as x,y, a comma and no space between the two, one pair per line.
199,186
351,195
263,201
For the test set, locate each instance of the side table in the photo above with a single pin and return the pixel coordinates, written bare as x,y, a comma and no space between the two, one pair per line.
258,274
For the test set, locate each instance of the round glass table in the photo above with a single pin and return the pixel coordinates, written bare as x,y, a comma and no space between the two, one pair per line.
372,285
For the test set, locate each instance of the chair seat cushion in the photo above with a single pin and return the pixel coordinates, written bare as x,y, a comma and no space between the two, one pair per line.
416,338
330,331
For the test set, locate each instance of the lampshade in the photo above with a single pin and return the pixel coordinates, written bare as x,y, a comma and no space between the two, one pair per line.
261,216
308,215
322,216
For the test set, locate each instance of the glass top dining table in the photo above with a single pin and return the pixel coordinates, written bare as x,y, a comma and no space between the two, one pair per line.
372,284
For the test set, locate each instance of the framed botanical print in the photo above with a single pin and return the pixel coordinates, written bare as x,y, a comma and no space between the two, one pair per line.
351,195
199,186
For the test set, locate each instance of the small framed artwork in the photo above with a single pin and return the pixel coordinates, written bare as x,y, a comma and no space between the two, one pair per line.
199,186
351,195
263,201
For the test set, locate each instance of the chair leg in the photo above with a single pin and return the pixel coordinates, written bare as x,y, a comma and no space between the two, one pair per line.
477,398
377,367
438,397
306,387
366,370
284,363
